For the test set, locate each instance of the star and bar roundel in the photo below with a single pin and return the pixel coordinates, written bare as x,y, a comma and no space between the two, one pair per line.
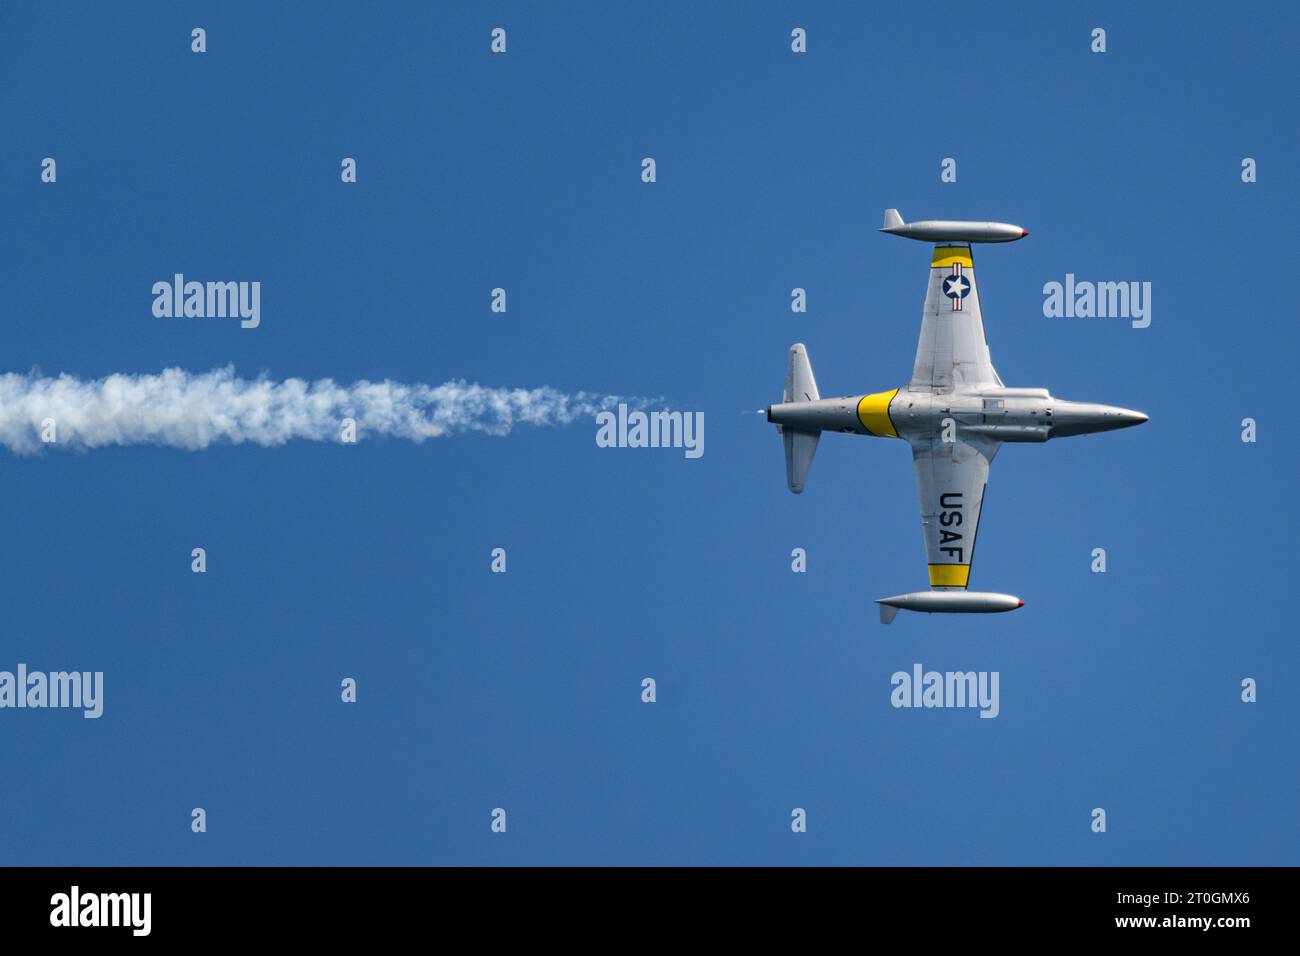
955,286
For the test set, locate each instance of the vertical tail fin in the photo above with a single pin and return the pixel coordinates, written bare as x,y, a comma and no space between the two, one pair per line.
892,219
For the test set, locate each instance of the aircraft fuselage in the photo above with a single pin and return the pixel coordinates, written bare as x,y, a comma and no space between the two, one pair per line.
999,414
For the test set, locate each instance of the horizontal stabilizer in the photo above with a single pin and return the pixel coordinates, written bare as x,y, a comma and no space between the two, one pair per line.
800,386
800,446
799,450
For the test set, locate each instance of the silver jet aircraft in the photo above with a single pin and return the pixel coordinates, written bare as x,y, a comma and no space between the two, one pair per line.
955,413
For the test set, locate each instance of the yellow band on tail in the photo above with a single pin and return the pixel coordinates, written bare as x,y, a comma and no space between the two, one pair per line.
945,256
949,575
873,412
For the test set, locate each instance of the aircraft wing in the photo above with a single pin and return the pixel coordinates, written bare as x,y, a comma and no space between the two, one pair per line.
952,351
950,482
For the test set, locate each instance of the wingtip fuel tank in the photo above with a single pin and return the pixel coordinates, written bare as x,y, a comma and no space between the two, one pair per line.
948,602
951,230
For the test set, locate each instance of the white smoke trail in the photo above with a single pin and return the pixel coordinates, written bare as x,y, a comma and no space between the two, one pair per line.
192,411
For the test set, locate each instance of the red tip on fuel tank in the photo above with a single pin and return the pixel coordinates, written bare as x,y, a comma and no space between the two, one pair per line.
1021,604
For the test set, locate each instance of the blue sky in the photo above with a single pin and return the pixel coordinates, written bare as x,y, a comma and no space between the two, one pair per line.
522,690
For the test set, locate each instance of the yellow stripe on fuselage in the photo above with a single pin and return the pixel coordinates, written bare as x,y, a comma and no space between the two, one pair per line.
945,256
949,575
873,412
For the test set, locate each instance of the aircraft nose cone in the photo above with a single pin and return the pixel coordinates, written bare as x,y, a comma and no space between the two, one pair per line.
1132,418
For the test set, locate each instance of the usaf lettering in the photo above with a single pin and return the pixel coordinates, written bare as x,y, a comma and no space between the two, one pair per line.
950,516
